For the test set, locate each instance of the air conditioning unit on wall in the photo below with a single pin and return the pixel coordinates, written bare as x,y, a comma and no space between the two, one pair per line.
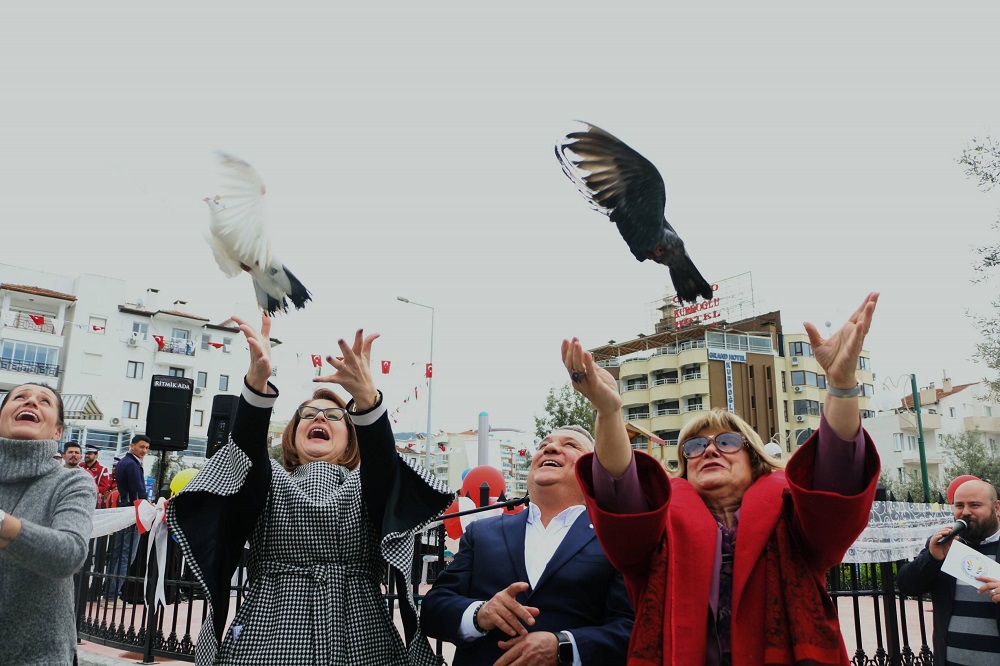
199,390
800,418
798,389
134,340
795,360
116,421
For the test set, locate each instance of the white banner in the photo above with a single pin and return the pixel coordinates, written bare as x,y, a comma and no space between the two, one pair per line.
898,531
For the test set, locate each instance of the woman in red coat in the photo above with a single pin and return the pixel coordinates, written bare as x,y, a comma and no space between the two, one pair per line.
726,563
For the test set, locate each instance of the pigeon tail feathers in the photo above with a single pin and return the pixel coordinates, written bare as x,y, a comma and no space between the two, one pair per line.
688,281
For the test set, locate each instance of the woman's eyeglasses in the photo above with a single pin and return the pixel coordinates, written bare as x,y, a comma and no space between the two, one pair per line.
331,414
726,442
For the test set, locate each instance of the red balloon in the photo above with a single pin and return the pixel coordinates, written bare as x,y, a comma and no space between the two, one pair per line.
453,526
477,476
956,482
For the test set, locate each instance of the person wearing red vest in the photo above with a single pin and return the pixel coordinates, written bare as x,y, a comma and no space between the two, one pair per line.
101,474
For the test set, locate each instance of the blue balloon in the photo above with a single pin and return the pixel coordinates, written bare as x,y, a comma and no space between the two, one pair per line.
467,470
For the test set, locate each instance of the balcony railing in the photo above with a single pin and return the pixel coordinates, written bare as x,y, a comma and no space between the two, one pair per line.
694,408
637,386
178,346
25,322
665,380
692,375
30,367
668,411
610,363
636,417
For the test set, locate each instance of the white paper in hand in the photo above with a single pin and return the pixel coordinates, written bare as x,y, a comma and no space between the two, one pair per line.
965,564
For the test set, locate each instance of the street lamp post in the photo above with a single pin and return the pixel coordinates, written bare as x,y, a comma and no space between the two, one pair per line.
430,382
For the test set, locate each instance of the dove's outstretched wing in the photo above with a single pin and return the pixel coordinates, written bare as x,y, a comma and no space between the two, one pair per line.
625,186
238,218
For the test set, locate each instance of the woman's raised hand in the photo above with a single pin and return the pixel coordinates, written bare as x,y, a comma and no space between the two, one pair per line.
259,371
353,370
589,379
839,353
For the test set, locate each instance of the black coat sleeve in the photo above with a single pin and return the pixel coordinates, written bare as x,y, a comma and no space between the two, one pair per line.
920,575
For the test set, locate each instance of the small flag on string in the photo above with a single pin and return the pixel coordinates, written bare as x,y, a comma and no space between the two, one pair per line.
96,328
317,361
415,396
429,370
159,341
216,345
442,447
385,367
38,319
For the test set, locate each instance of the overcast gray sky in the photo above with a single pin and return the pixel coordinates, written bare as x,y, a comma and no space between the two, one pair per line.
407,149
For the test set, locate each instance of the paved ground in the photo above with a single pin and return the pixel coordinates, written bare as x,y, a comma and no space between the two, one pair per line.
92,654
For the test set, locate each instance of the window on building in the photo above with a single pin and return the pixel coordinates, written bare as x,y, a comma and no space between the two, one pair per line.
801,436
205,339
988,410
694,404
130,410
751,372
202,379
911,442
864,363
786,409
951,412
25,357
640,443
784,386
800,349
175,372
98,325
992,442
134,369
798,378
867,413
180,334
227,344
223,382
635,383
806,407
199,418
897,441
867,390
141,328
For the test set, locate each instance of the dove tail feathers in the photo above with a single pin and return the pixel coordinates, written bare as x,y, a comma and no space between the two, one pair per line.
274,285
688,281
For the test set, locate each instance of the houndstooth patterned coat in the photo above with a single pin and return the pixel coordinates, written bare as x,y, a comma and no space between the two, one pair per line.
317,559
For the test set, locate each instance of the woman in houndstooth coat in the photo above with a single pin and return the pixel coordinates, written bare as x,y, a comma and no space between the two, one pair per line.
321,529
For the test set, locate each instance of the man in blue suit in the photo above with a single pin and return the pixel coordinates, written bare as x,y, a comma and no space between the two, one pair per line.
534,587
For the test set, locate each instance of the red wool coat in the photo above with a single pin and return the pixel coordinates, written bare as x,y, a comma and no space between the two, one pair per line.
667,557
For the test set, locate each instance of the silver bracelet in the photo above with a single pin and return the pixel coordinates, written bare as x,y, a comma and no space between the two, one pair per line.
844,393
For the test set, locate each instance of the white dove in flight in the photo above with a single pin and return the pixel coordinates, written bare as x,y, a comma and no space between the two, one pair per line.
237,236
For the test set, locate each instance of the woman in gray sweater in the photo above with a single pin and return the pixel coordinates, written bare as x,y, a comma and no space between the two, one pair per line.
45,520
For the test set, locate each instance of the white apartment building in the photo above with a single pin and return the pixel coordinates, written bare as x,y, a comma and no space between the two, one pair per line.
949,410
86,337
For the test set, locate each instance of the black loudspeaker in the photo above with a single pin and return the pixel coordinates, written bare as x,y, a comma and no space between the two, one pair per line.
168,416
221,423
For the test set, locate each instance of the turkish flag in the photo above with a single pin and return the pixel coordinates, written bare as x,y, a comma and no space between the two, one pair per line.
159,340
429,370
317,361
97,328
217,345
385,367
38,319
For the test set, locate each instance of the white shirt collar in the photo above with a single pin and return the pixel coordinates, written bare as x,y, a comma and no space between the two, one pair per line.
565,518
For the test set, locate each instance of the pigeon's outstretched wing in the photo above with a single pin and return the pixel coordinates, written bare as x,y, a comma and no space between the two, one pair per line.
625,186
237,234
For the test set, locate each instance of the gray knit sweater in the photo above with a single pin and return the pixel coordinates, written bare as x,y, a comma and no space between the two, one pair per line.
56,506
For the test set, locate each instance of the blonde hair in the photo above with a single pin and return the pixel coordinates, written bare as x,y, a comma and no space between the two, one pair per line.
719,419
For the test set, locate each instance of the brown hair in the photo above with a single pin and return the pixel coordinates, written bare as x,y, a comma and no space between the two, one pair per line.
719,419
290,457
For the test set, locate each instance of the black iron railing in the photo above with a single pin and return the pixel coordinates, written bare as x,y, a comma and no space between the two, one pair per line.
30,367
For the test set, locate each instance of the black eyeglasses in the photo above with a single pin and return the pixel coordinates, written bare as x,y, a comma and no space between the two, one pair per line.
726,442
332,413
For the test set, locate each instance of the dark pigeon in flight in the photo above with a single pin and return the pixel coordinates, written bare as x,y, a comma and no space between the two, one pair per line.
625,186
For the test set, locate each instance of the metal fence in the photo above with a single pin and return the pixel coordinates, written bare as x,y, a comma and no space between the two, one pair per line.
865,597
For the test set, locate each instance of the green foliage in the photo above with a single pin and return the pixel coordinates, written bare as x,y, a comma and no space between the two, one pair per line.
175,462
981,160
275,452
968,453
564,406
911,485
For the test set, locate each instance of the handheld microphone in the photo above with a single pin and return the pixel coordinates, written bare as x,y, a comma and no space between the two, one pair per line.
956,529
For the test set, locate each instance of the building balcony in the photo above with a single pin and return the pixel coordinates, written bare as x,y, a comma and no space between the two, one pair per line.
641,416
634,366
24,322
664,392
693,356
635,397
693,387
908,421
913,457
610,363
666,421
29,367
987,424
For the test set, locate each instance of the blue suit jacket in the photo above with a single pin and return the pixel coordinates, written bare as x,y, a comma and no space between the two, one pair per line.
130,480
579,591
